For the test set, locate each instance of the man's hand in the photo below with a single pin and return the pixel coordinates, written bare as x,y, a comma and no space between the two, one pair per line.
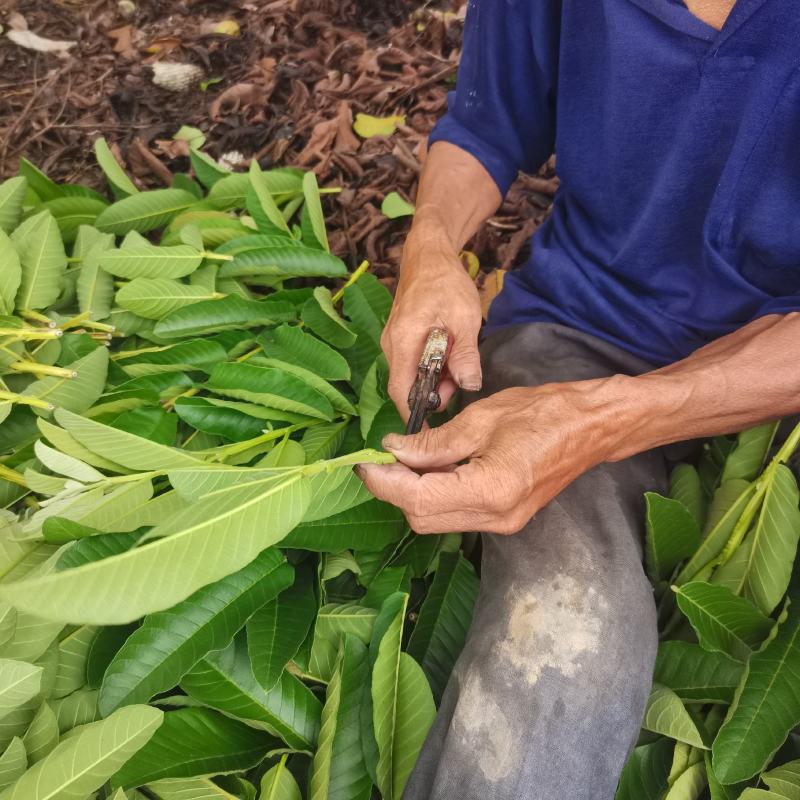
434,291
521,446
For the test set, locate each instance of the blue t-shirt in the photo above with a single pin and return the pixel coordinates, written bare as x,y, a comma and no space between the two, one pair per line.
678,148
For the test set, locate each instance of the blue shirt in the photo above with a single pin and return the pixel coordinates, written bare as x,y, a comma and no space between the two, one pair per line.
678,148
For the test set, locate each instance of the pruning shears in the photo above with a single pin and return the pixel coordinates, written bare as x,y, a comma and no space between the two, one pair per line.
424,395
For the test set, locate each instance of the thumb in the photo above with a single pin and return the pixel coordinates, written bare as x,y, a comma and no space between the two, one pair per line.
433,447
464,362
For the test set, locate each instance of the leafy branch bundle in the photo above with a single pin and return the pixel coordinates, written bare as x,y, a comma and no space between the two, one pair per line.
198,599
721,722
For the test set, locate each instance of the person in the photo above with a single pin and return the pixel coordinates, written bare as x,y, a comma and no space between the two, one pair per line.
660,303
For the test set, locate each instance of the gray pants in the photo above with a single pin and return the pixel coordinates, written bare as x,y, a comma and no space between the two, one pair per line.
547,697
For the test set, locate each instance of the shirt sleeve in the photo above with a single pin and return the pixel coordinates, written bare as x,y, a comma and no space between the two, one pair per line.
503,109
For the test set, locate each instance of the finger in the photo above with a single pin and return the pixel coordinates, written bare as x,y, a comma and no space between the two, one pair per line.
464,362
447,388
427,495
403,370
435,447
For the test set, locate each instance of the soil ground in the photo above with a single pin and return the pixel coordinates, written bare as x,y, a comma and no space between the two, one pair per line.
284,90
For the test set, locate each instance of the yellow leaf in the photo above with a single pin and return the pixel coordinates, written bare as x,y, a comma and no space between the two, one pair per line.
471,262
492,286
366,126
228,27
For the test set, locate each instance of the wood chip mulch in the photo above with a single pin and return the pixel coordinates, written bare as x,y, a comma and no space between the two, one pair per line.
284,90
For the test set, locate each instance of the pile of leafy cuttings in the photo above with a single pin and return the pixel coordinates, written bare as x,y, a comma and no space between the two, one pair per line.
198,597
200,600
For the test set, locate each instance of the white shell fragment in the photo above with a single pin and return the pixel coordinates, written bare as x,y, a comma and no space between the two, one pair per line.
32,41
175,77
231,159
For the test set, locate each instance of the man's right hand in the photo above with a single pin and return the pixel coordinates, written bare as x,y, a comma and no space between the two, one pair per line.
434,291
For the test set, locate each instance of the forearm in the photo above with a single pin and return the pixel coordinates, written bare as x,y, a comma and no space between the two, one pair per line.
743,379
456,195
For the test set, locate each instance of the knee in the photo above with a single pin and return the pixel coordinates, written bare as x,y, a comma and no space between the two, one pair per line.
564,629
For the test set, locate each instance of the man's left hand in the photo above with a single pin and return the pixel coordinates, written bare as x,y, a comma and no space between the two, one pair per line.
520,448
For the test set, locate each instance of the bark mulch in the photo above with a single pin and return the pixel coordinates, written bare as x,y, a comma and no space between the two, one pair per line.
284,90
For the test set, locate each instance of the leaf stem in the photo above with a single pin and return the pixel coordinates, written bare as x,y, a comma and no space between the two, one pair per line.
42,369
31,334
24,400
222,453
8,474
211,256
37,317
357,273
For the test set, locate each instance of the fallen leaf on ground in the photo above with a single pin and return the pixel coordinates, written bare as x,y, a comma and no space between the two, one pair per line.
394,206
491,286
367,126
235,98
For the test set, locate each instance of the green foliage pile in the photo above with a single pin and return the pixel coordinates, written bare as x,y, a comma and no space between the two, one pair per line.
722,717
198,598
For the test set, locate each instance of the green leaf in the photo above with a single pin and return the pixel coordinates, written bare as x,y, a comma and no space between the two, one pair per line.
271,387
334,493
333,623
689,785
12,197
13,762
197,354
83,762
224,680
192,547
338,771
71,213
444,619
203,415
42,735
292,344
10,275
65,465
155,298
46,189
146,261
261,205
130,450
144,211
784,780
726,507
279,784
104,647
672,535
319,314
76,709
169,643
286,261
697,675
723,621
228,313
95,286
277,630
19,683
394,206
747,458
207,170
330,392
774,542
760,794
42,261
313,211
229,192
370,526
74,394
73,650
194,742
665,714
121,185
645,775
766,706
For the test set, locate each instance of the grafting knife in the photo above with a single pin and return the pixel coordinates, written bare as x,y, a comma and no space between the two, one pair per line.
424,394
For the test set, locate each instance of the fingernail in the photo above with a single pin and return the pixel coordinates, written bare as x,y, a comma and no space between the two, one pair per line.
470,383
392,441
